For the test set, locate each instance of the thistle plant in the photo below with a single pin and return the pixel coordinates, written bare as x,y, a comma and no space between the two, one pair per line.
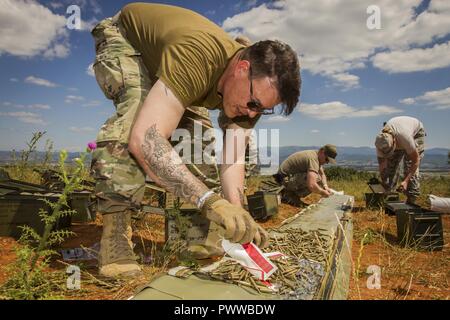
28,280
21,168
31,147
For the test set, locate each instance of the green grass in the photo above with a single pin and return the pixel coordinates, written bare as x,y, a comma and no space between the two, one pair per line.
439,186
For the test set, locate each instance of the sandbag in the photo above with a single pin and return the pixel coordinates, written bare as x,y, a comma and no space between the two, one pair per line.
439,204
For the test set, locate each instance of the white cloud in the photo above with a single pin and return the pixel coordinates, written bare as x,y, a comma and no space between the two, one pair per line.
92,103
87,6
82,129
275,119
26,117
345,80
89,24
30,106
332,38
407,101
28,29
315,131
246,4
337,109
40,82
56,5
39,106
59,50
440,99
90,70
91,5
414,60
72,98
14,80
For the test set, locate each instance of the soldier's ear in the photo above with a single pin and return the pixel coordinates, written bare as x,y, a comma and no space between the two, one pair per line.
242,67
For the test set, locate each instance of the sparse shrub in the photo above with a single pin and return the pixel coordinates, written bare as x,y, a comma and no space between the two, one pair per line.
28,280
48,154
21,168
341,173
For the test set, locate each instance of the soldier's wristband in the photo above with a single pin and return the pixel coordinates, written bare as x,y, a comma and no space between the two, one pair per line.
202,199
209,202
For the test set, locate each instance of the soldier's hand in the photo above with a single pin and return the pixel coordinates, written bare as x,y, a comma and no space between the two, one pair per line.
238,223
403,187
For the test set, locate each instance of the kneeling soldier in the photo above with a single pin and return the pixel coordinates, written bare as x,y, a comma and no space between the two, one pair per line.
302,173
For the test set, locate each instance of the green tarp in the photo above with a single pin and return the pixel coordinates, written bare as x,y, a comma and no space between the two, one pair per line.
330,216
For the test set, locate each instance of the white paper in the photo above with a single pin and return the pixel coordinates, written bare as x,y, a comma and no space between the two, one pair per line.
341,193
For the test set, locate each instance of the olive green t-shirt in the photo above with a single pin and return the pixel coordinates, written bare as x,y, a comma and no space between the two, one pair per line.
185,50
301,162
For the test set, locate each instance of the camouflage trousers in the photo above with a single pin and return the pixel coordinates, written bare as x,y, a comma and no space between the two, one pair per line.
295,187
400,162
124,79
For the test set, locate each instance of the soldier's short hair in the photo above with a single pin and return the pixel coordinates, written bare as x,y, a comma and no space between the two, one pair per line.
275,59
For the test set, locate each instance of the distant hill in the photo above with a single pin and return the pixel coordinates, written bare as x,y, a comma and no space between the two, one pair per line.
365,157
358,157
38,156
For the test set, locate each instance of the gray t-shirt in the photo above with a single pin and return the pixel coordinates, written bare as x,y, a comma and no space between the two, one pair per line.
404,129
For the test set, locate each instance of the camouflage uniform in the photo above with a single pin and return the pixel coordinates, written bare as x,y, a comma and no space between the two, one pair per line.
295,187
391,175
123,78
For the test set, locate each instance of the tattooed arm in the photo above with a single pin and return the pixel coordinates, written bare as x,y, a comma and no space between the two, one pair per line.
232,169
157,119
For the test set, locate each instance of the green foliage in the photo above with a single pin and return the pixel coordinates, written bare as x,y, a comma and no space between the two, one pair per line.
349,174
21,168
369,237
25,156
48,153
176,247
26,283
28,279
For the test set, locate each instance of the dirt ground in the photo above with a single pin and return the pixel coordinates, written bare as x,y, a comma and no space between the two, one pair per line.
405,273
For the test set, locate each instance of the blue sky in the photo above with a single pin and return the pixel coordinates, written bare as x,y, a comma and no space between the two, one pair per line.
354,78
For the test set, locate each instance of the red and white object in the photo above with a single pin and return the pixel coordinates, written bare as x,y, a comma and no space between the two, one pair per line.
251,258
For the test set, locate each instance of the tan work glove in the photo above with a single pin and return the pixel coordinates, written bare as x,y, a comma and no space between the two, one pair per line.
238,223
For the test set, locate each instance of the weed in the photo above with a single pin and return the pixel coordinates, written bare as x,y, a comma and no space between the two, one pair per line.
28,280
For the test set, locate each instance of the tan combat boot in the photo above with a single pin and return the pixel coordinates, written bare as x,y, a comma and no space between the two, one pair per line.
116,257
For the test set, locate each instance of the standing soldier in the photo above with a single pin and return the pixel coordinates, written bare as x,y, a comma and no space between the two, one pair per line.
155,62
402,139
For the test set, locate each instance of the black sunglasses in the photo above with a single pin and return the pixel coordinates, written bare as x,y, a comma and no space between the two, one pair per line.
254,104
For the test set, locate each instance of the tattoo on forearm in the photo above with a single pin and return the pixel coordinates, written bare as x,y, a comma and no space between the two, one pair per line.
167,165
